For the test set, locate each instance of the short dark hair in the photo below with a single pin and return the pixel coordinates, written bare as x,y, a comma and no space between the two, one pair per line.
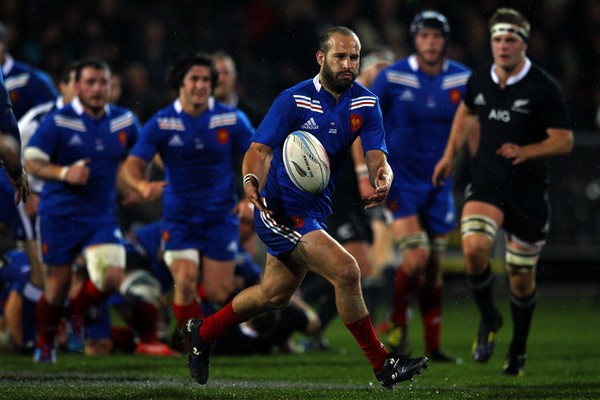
325,36
181,68
511,16
65,74
90,63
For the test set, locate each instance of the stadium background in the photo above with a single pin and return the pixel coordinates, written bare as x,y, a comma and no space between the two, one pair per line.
273,43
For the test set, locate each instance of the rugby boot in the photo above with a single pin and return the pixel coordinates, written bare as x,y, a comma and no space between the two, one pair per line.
483,346
399,369
514,365
198,350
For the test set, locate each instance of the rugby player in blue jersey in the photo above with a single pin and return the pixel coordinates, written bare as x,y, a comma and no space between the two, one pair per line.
419,96
77,151
291,222
196,138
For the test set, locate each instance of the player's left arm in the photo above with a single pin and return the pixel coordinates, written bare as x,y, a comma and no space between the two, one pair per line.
558,142
380,175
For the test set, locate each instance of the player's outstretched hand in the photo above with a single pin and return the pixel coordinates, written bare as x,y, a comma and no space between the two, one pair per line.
382,188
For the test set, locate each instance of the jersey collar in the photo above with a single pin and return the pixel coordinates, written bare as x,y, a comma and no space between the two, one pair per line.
179,108
414,64
512,79
317,83
78,107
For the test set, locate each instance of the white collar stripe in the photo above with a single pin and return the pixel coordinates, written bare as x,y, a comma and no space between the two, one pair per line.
403,78
69,123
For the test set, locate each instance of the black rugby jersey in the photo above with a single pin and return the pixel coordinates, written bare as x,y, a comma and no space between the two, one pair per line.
520,113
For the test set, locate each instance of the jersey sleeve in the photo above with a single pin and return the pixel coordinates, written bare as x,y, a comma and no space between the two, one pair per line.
44,140
148,141
381,88
373,133
554,107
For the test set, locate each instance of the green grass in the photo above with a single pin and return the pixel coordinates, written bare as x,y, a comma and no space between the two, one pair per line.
564,363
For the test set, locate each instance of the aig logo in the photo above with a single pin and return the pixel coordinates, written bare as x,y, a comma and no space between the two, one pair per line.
499,115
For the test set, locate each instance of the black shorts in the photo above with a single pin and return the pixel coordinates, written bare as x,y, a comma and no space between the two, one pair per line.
353,226
526,210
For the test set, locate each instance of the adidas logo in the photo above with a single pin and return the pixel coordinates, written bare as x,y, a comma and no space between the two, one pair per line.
310,124
175,141
479,100
407,95
75,141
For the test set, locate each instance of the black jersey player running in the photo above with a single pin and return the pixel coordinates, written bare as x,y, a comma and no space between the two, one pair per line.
521,114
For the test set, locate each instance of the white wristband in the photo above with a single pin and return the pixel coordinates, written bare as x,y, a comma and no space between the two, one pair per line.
362,171
248,178
63,173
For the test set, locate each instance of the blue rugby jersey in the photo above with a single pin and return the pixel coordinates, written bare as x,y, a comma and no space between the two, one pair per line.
309,107
69,135
418,110
27,86
8,121
198,154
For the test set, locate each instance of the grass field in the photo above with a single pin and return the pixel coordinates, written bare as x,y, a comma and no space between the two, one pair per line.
564,363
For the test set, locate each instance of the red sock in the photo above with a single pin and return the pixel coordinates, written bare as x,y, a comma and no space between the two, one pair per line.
184,312
145,321
404,289
365,336
88,295
47,317
218,323
430,299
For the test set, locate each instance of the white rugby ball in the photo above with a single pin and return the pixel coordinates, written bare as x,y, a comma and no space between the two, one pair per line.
306,162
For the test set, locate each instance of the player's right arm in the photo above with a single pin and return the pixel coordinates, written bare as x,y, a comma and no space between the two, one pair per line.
464,123
255,169
133,174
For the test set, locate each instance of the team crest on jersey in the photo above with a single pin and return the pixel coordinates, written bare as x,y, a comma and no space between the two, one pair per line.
297,221
122,137
14,97
223,136
356,122
455,96
165,236
44,248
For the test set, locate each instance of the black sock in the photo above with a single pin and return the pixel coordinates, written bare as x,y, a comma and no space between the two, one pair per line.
522,314
481,286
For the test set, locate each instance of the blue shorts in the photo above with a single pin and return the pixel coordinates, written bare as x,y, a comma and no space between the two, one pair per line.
216,239
282,233
64,238
434,207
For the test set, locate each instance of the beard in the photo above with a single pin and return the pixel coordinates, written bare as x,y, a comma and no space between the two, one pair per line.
334,83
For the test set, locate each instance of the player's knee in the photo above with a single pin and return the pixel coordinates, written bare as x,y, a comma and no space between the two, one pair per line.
349,275
103,264
415,261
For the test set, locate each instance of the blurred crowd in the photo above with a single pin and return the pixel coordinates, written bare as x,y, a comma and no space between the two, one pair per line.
267,38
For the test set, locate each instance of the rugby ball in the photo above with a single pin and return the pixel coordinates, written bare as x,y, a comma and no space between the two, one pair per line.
306,162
